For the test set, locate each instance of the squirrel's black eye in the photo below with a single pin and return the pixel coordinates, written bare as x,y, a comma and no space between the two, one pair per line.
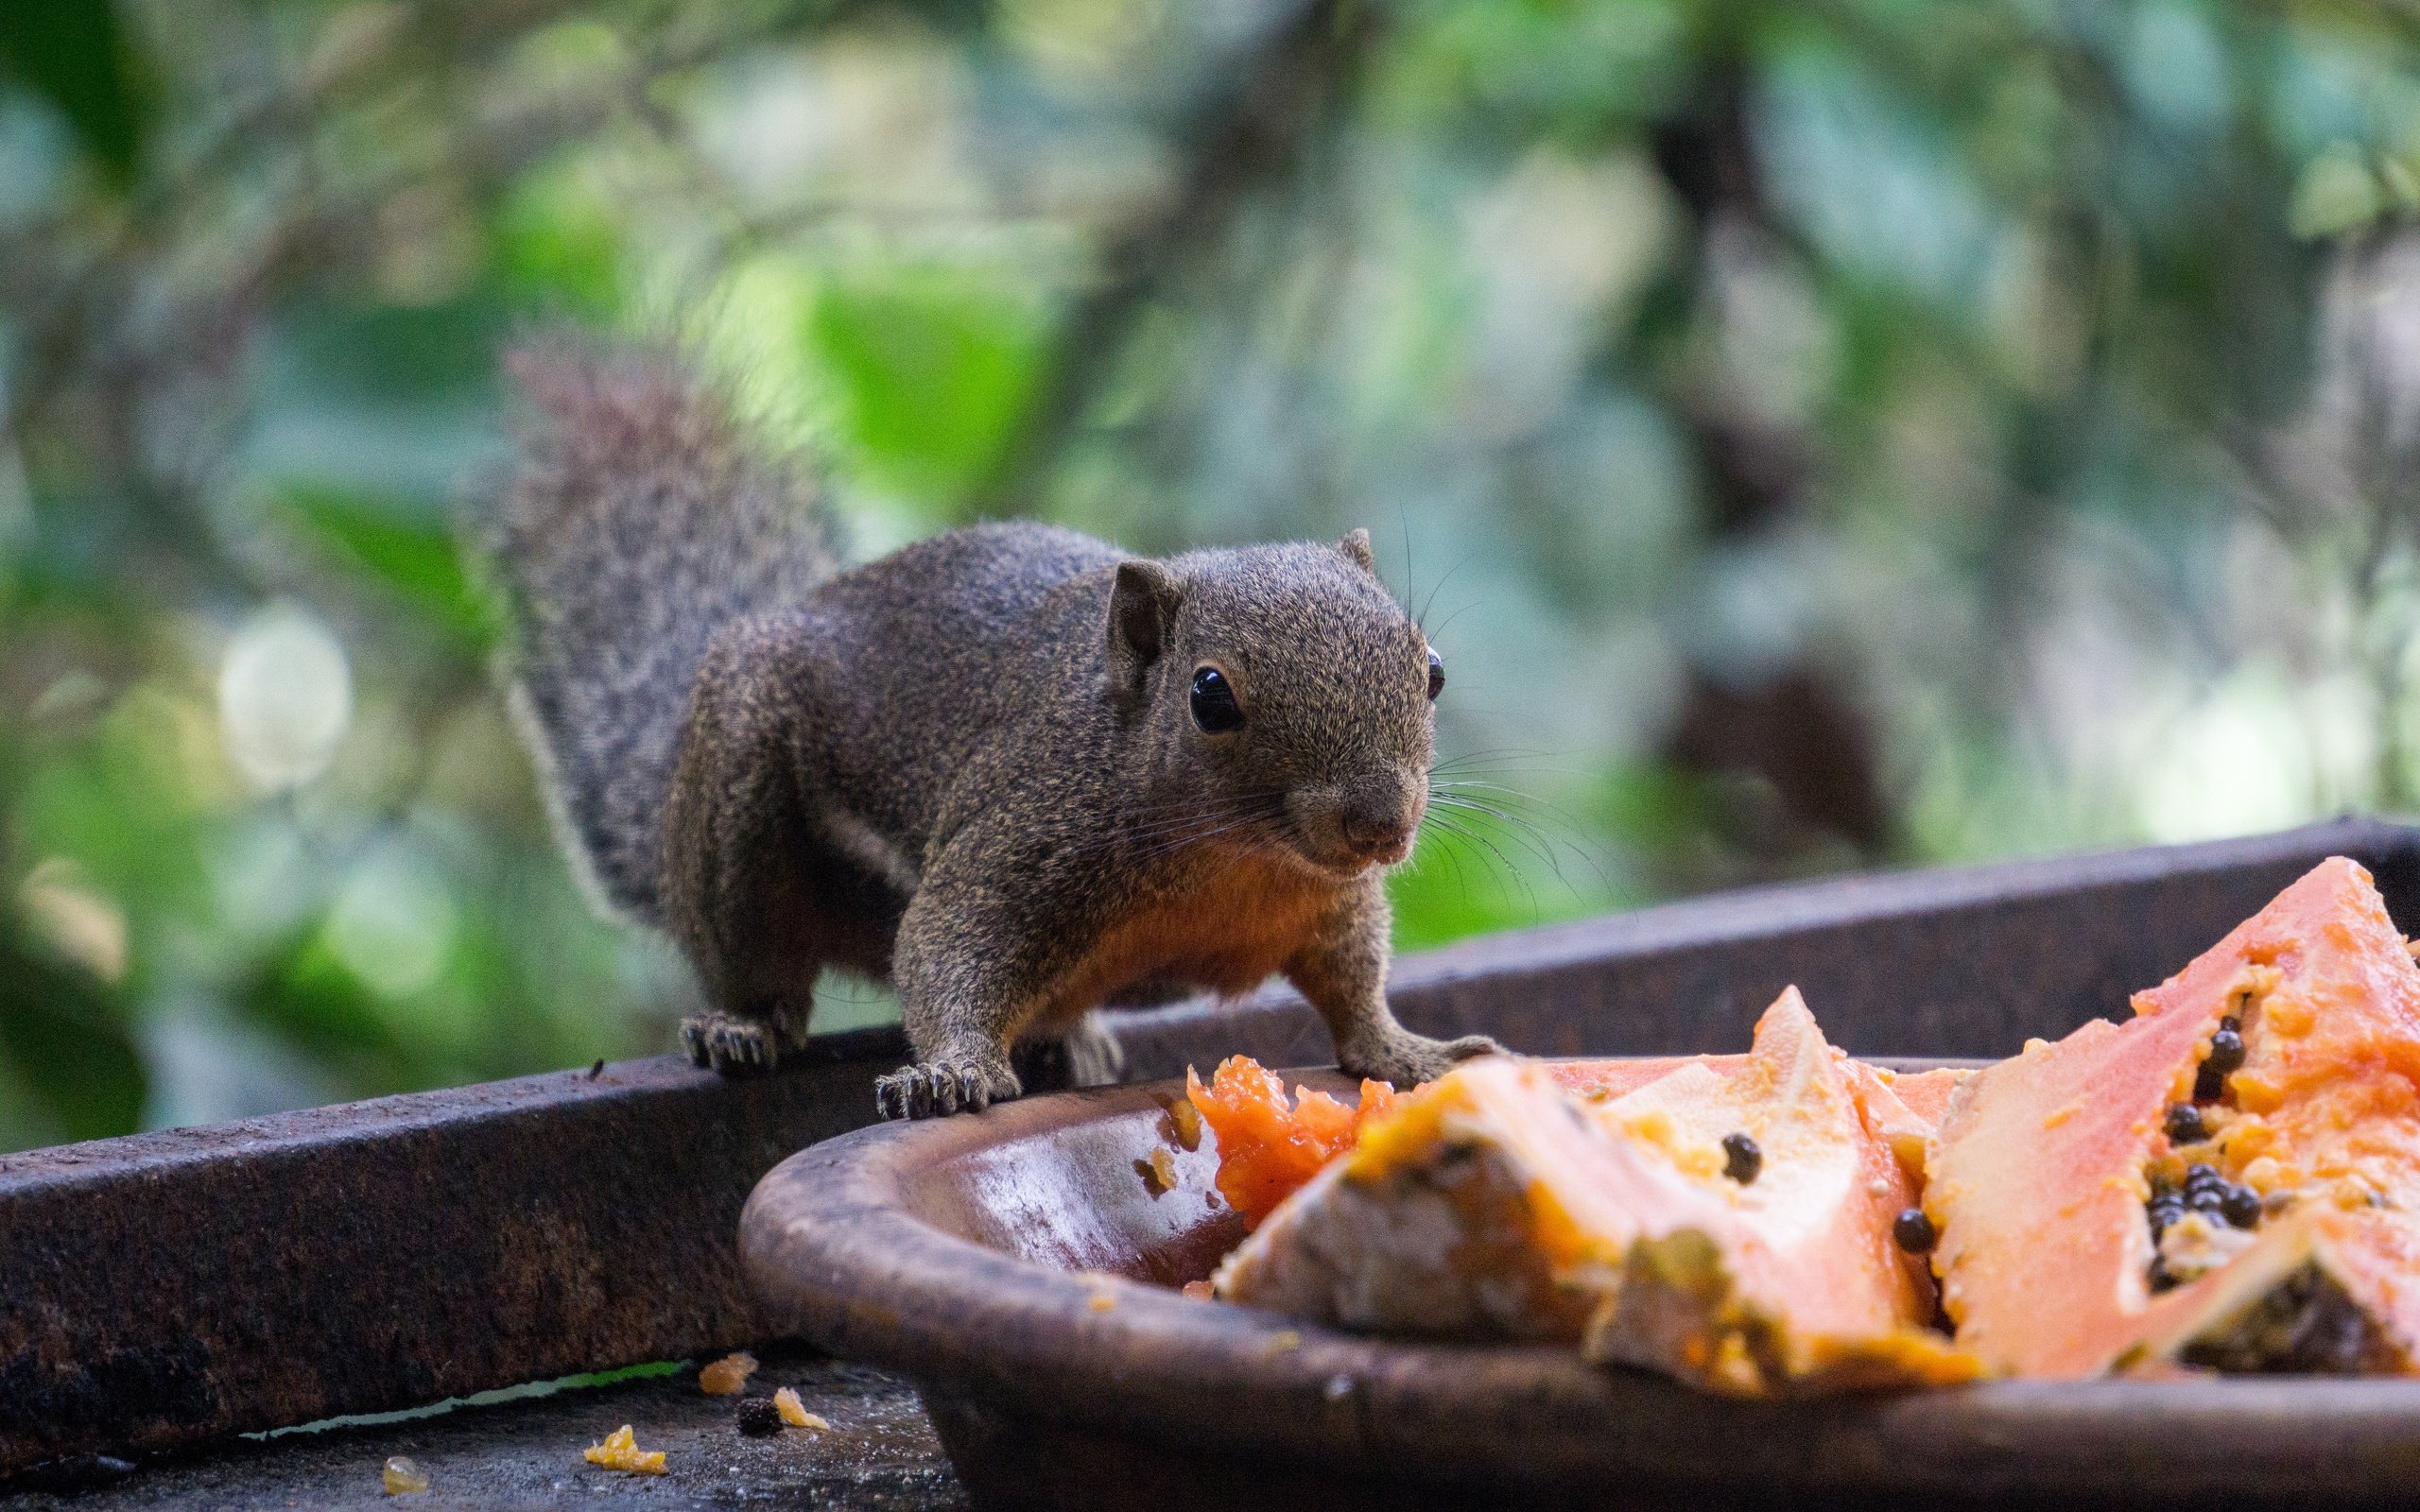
1214,702
1436,674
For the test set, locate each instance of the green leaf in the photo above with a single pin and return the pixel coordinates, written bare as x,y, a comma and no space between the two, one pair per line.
2335,194
394,354
70,52
1481,874
127,806
1442,900
307,998
58,1033
560,241
402,549
934,369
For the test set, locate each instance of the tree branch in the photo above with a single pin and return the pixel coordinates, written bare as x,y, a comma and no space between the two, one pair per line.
1254,130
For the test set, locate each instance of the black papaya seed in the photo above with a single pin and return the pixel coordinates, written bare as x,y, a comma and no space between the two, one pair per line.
1741,1160
2242,1208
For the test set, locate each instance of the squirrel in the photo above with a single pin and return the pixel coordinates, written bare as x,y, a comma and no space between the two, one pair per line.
1012,770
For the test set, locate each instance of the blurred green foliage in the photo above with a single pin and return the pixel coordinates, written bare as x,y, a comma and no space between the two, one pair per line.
931,369
69,52
1817,436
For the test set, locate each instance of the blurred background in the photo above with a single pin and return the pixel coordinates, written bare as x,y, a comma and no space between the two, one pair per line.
1824,434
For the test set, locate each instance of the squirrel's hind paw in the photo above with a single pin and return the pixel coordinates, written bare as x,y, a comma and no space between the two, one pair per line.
949,1085
735,1046
1088,1054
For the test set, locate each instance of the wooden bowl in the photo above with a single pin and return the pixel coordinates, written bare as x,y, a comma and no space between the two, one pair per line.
1020,1268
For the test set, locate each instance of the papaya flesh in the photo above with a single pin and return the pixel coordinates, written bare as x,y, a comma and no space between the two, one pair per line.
1268,1147
1497,1203
1925,1093
2274,1084
1462,1213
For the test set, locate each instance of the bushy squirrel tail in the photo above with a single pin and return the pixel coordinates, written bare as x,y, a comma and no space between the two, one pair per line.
639,521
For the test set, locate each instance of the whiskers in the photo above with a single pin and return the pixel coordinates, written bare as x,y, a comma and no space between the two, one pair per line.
1493,824
1514,840
1244,821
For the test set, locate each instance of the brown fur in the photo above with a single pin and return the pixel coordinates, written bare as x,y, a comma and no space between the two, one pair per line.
972,768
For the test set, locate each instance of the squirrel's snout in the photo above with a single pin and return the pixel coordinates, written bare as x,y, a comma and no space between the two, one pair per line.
1379,835
1369,824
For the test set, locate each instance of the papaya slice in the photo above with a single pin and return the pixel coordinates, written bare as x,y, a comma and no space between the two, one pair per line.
2324,1291
1601,1081
2228,1180
1792,1281
1462,1213
1268,1147
1495,1203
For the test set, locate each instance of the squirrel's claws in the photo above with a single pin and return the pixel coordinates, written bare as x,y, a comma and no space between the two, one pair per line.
936,1089
735,1047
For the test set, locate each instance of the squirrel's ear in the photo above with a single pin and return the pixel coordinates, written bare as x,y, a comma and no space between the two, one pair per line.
1355,547
1142,607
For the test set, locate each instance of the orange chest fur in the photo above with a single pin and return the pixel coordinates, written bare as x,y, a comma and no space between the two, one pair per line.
1226,935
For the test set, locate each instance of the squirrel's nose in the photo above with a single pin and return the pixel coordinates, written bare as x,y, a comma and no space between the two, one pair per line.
1374,829
1364,821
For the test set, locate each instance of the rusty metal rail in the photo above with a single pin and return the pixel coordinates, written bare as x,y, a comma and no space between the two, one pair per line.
164,1289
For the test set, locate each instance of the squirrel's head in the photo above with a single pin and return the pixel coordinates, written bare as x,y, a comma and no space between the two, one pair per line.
1287,691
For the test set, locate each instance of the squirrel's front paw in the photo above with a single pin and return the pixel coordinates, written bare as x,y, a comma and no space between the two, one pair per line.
735,1046
1409,1059
948,1085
